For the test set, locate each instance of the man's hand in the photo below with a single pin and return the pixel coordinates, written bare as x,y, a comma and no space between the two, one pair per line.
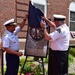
50,23
19,53
24,21
45,18
43,24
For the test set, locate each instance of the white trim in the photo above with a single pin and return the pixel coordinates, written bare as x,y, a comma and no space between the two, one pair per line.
69,20
22,40
72,6
39,1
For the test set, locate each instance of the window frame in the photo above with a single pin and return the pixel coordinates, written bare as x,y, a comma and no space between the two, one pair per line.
71,9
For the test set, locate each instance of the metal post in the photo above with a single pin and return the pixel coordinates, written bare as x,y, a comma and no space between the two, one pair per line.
43,66
1,50
23,65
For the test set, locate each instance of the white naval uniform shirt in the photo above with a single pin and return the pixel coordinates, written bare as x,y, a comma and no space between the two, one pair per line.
10,40
60,38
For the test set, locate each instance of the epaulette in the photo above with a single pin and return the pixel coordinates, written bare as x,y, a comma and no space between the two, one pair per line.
59,29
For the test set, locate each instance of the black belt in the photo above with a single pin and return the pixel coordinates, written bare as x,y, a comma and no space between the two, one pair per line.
58,50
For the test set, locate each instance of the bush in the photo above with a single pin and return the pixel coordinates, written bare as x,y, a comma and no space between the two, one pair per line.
72,51
34,69
70,59
27,68
21,61
46,60
30,68
71,55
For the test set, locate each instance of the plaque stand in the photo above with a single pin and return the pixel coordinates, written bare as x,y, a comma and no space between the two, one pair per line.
2,58
32,61
31,51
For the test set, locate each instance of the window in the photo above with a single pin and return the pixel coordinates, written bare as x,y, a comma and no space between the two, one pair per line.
41,7
72,21
72,16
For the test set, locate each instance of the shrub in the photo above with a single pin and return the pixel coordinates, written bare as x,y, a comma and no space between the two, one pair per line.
30,68
46,60
70,59
72,51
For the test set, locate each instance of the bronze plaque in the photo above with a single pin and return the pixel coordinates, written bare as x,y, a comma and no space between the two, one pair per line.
36,44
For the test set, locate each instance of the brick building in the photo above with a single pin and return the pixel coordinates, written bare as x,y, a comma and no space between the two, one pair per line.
7,8
8,11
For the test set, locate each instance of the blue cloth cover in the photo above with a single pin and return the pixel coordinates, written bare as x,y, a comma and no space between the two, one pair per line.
34,16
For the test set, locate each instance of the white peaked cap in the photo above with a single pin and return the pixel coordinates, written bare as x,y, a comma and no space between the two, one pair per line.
9,22
59,16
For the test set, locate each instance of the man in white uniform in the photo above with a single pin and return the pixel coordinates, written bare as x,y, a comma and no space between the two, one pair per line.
10,44
58,53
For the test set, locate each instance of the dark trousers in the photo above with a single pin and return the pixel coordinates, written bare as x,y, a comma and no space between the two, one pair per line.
12,64
58,63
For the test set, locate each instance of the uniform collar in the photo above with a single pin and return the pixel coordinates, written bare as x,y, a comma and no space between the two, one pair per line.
61,26
8,32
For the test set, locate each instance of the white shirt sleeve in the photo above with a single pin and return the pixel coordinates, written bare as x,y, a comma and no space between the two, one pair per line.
17,29
5,42
55,35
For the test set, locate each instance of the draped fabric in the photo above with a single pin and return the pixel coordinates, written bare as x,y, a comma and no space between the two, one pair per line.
34,16
36,44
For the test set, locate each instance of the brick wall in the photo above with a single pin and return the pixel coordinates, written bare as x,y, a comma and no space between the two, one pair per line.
59,7
8,11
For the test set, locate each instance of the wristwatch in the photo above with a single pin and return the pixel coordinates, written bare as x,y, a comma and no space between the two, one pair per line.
44,27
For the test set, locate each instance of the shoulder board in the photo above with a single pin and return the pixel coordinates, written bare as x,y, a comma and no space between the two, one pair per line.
5,34
59,30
